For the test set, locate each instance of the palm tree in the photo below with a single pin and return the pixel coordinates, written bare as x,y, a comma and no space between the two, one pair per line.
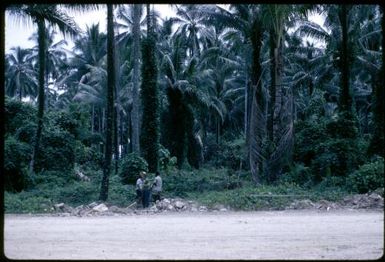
190,25
248,21
55,61
110,103
219,69
86,71
150,135
136,14
20,75
377,142
42,14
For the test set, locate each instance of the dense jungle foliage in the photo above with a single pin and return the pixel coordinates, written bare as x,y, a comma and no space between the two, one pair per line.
227,103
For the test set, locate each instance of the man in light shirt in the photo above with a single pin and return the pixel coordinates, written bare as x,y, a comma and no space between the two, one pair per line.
157,187
139,187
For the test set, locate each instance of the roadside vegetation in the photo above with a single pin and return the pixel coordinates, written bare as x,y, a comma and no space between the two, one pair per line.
231,108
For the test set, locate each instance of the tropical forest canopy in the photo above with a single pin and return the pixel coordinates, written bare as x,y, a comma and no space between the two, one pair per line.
258,90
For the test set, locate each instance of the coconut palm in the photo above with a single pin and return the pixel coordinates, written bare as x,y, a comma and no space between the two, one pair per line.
20,75
56,57
42,14
131,19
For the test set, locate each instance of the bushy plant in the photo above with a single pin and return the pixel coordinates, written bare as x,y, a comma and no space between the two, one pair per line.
298,174
17,114
228,154
328,147
181,182
24,202
119,194
165,160
130,166
85,155
74,119
78,193
16,159
368,177
26,132
57,150
308,135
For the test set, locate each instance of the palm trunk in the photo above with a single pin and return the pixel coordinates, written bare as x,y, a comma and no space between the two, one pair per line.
41,96
116,109
110,103
246,116
255,121
377,142
135,91
270,121
93,119
116,139
217,129
345,98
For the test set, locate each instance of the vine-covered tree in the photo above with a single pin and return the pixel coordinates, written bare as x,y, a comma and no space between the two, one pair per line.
150,134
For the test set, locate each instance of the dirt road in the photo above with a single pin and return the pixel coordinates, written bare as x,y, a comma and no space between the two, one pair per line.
339,234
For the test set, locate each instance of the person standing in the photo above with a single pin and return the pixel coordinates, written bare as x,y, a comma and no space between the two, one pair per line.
146,193
157,187
139,187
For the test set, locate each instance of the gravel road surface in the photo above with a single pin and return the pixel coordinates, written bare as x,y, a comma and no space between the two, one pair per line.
305,234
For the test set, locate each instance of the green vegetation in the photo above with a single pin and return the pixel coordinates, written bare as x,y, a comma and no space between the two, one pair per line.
130,166
231,108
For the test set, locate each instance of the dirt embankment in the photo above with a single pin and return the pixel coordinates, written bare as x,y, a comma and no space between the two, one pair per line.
359,201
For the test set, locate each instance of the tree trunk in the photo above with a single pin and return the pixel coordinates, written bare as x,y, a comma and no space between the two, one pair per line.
345,97
273,68
256,119
110,103
150,134
93,119
41,96
377,142
116,140
135,92
116,108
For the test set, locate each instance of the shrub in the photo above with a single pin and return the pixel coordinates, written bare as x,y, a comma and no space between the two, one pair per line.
181,182
16,158
26,133
85,155
16,114
25,202
328,149
368,177
78,193
57,150
118,194
228,154
165,160
298,174
130,166
74,119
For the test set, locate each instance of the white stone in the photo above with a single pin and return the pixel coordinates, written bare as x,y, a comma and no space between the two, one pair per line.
59,206
93,204
202,208
100,208
179,204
